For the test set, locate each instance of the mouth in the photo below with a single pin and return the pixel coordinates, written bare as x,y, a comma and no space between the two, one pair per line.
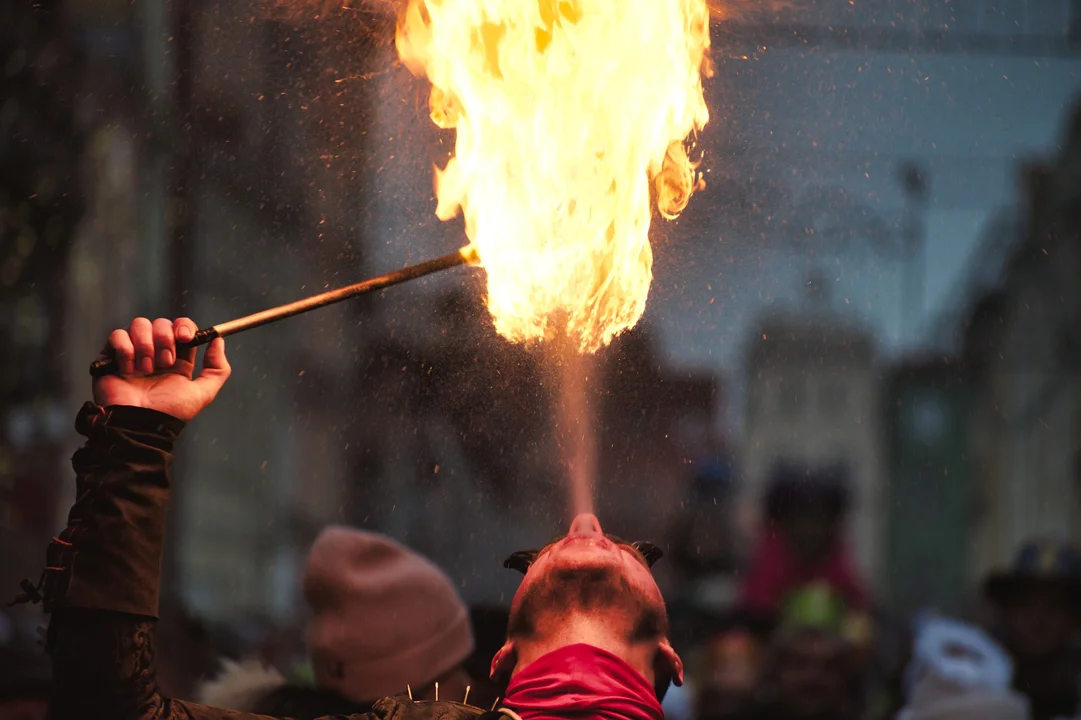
585,552
598,541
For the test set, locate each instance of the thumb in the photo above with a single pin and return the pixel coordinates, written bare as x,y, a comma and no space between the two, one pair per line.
216,369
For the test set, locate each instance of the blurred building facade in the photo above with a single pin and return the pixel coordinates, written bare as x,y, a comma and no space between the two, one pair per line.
226,187
813,397
1022,355
42,141
266,215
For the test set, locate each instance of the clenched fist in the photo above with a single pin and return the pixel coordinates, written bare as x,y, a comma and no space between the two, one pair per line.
153,374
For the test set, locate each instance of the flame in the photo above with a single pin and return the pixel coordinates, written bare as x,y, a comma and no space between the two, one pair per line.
571,118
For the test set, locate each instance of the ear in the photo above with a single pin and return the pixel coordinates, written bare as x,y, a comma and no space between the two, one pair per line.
521,560
667,663
504,661
649,551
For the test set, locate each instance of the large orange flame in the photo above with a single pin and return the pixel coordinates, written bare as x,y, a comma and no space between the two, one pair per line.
572,117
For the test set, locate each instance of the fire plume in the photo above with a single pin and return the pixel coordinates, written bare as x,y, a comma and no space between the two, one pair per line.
572,118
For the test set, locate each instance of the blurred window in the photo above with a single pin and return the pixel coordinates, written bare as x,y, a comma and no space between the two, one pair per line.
790,396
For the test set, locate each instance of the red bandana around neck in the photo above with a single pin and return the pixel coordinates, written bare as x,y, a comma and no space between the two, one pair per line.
582,681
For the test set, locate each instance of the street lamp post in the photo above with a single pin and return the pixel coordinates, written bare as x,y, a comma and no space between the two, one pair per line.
914,187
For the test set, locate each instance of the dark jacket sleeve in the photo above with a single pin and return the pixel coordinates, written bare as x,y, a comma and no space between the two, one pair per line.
101,578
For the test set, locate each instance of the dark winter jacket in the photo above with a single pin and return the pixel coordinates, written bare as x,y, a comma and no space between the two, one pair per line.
101,582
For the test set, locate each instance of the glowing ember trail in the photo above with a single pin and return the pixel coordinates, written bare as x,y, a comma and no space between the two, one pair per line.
571,119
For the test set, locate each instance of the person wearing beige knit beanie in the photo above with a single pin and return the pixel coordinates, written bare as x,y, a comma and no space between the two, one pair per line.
384,618
385,621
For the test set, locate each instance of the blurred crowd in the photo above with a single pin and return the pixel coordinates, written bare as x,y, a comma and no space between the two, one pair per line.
806,638
802,638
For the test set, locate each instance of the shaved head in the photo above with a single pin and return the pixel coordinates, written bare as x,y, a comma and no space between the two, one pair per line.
594,589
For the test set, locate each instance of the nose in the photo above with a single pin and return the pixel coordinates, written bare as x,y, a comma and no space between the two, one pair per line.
586,524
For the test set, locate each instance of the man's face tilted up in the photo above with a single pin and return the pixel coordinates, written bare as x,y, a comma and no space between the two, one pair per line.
590,588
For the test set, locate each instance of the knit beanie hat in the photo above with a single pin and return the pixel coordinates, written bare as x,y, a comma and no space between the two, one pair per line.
383,617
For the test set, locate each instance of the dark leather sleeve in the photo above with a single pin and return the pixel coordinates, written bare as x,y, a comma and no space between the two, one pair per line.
109,555
101,579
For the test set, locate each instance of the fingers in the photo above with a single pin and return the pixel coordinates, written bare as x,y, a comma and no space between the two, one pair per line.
164,344
184,329
148,347
216,369
215,360
142,337
123,351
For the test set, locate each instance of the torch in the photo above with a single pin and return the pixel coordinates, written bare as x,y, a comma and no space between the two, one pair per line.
465,256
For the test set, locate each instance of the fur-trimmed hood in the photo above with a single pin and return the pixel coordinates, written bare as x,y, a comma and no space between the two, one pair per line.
239,685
